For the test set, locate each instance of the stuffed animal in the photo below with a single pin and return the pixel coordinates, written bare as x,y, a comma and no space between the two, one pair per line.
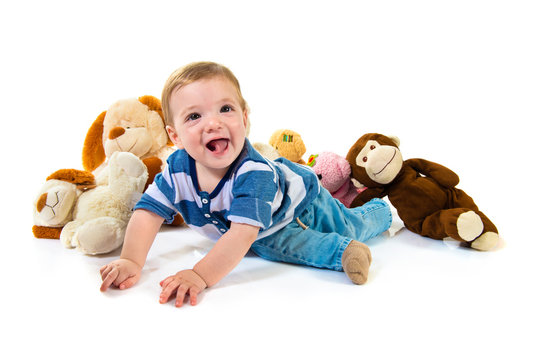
133,125
289,145
99,216
53,207
266,150
423,193
334,172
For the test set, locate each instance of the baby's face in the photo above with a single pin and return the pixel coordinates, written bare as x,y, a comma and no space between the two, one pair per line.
208,122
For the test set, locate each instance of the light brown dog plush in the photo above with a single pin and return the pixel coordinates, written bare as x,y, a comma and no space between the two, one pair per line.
288,144
423,193
91,218
53,207
132,125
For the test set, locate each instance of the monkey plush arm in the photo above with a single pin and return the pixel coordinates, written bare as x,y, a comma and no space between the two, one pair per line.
443,175
367,195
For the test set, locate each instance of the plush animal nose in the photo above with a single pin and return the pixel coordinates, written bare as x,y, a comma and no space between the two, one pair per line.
116,132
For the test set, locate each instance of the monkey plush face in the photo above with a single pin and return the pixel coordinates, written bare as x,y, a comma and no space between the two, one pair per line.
375,159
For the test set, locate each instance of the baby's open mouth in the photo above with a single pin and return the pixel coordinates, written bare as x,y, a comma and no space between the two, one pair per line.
218,145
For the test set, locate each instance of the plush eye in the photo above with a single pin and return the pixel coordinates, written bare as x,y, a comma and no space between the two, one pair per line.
372,147
365,159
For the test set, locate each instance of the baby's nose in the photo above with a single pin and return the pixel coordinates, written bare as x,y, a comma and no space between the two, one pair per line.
214,122
116,132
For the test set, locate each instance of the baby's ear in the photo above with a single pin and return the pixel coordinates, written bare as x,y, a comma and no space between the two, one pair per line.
174,136
246,122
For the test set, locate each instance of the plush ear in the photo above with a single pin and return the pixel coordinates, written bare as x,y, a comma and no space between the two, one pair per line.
45,232
77,177
152,103
343,165
155,105
395,139
154,166
274,139
93,152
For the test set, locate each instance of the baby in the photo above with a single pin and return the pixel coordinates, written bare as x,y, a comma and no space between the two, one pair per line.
226,190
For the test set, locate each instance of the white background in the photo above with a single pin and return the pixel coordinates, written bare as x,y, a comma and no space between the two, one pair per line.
454,80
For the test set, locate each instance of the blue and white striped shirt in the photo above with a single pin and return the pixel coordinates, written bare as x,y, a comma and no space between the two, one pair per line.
254,191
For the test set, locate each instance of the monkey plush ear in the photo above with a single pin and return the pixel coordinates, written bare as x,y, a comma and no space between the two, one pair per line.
395,139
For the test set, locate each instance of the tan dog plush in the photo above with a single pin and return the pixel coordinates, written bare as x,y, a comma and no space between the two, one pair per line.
289,145
130,125
133,125
53,207
94,220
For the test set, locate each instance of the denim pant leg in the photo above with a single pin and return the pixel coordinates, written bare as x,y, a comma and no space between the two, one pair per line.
331,226
294,245
360,223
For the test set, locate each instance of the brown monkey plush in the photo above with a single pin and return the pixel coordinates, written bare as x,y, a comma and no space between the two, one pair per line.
423,193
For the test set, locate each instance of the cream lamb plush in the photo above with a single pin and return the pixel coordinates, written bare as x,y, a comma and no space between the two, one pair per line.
99,216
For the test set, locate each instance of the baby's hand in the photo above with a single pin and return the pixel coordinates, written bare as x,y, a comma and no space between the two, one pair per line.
122,273
182,283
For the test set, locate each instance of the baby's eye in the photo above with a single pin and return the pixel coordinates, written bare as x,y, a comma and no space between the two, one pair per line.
193,116
226,108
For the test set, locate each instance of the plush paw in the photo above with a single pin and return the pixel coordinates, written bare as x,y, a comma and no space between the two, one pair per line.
100,236
68,233
129,162
469,225
486,241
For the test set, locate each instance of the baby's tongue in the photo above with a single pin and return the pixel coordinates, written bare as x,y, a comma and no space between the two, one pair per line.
218,145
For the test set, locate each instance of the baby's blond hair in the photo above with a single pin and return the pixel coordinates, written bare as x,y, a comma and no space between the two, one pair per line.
191,73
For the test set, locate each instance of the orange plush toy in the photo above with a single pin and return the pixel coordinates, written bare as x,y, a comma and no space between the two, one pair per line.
129,125
423,193
54,205
92,219
133,125
288,144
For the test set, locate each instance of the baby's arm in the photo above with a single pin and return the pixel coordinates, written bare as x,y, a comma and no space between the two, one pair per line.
221,259
139,236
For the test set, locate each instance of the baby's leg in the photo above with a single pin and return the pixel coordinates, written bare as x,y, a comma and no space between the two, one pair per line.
296,245
360,223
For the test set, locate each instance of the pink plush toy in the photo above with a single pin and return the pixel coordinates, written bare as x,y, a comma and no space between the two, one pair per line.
334,174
